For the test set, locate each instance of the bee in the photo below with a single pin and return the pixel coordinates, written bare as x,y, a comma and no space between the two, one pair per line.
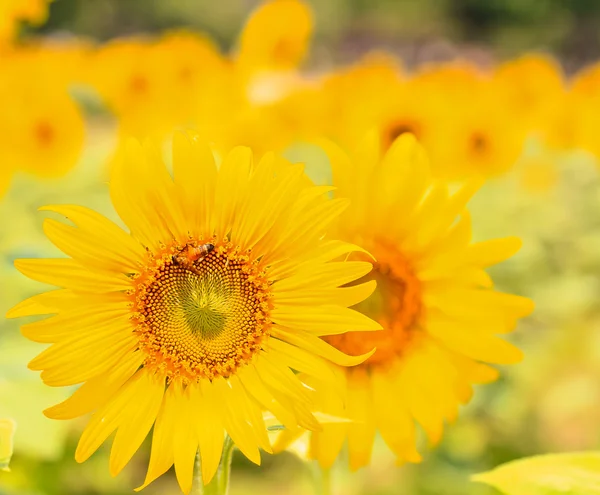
190,255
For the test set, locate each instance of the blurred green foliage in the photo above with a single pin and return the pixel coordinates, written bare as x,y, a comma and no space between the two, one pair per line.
416,29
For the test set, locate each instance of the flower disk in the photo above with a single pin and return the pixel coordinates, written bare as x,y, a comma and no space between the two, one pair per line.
197,321
203,320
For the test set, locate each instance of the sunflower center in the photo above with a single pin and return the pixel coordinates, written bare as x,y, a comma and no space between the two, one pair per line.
138,84
201,314
44,134
479,143
395,304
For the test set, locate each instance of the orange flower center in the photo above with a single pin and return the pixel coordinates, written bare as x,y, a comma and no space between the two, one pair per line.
44,134
201,314
395,304
479,143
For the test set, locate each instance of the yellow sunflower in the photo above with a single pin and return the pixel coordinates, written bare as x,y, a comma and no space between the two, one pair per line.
275,37
580,117
14,11
434,299
533,86
194,321
42,129
480,136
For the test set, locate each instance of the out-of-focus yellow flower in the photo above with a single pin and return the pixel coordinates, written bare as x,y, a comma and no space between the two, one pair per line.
194,321
533,87
133,83
440,313
154,86
42,134
582,111
7,432
42,128
14,11
275,38
358,98
481,136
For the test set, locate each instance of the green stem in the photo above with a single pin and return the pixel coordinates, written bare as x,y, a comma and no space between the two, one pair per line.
219,485
326,481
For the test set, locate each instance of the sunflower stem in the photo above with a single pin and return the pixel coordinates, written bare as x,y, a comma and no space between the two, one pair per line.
219,485
326,487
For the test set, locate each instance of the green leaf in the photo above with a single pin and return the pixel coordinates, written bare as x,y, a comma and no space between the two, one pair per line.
7,433
553,474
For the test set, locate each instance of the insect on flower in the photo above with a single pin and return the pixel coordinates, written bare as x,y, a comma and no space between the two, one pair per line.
191,254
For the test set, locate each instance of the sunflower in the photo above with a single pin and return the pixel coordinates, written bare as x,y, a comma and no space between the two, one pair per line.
14,11
42,129
194,321
434,300
481,136
580,117
533,86
363,96
275,37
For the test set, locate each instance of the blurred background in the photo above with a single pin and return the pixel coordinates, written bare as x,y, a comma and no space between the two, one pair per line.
346,28
70,93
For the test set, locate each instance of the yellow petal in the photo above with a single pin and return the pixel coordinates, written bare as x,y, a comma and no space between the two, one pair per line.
255,387
71,275
161,453
80,320
110,416
43,304
345,296
361,430
72,362
94,229
393,419
494,251
209,428
303,361
479,346
195,175
146,401
98,390
318,346
185,441
232,181
240,431
323,320
326,275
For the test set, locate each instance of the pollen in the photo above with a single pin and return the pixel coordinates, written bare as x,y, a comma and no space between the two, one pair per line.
396,304
204,319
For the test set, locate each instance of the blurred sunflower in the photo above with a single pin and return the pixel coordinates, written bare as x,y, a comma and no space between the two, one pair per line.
533,86
435,301
481,136
361,97
194,321
42,130
275,38
582,111
132,81
14,11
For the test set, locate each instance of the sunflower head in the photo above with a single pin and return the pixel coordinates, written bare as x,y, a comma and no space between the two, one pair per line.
195,320
276,37
439,311
42,131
